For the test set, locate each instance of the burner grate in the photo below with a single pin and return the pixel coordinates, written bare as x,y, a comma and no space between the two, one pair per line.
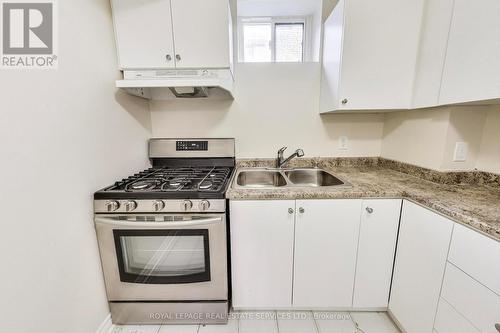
182,179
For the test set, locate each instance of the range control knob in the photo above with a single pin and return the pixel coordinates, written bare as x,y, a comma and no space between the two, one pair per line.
158,205
112,206
130,206
204,205
187,205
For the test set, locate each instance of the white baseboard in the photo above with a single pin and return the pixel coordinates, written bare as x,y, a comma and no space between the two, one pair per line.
106,325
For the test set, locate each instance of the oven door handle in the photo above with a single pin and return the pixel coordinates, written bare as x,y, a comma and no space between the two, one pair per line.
118,223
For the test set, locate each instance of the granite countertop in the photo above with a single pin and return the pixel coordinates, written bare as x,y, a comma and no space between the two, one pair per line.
472,204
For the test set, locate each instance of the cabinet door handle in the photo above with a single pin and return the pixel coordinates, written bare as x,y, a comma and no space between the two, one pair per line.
178,57
169,57
290,210
301,210
497,326
345,101
369,210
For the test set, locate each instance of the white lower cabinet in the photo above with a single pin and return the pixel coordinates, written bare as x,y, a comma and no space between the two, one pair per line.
472,281
262,253
449,320
339,254
304,254
377,246
477,255
424,240
475,302
326,239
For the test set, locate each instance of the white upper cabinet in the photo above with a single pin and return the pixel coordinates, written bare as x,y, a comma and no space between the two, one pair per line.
143,31
432,52
183,34
202,32
370,53
472,66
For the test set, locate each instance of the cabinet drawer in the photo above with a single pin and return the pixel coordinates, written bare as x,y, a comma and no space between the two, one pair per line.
475,302
477,255
449,320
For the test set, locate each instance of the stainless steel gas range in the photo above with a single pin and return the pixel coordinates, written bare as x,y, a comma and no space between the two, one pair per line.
162,235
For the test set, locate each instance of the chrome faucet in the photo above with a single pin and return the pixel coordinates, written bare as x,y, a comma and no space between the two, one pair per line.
281,161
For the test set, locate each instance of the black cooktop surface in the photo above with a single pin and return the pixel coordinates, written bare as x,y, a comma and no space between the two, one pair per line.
171,183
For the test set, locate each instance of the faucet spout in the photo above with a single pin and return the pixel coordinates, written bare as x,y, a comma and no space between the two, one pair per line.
281,161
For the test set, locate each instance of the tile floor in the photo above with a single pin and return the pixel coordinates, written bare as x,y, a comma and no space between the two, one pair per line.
281,322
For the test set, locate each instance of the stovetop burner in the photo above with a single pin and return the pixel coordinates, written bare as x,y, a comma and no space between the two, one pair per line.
188,181
144,185
182,169
205,185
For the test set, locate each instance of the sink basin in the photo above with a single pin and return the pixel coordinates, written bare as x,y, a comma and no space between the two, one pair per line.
267,178
312,178
259,178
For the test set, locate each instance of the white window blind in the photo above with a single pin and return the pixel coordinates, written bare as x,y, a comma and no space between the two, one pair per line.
289,42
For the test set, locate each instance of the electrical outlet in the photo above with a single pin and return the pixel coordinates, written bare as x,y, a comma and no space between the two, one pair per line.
461,151
343,143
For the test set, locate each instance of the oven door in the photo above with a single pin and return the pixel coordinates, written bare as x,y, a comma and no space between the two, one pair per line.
163,257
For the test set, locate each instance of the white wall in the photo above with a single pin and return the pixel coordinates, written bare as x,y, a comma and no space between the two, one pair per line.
275,105
466,125
489,153
64,134
427,137
416,137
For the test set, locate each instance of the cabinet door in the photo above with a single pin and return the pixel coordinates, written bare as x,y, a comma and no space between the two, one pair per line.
376,250
143,31
424,240
326,238
332,59
432,52
202,33
262,253
379,53
472,66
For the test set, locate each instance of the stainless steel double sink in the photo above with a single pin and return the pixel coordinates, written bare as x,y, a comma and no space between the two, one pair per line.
269,178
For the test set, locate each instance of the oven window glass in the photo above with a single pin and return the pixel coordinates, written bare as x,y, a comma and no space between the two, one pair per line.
163,256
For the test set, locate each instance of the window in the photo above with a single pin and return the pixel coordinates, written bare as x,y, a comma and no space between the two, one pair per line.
272,39
257,42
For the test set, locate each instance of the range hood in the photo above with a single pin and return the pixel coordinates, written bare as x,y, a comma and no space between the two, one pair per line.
172,84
